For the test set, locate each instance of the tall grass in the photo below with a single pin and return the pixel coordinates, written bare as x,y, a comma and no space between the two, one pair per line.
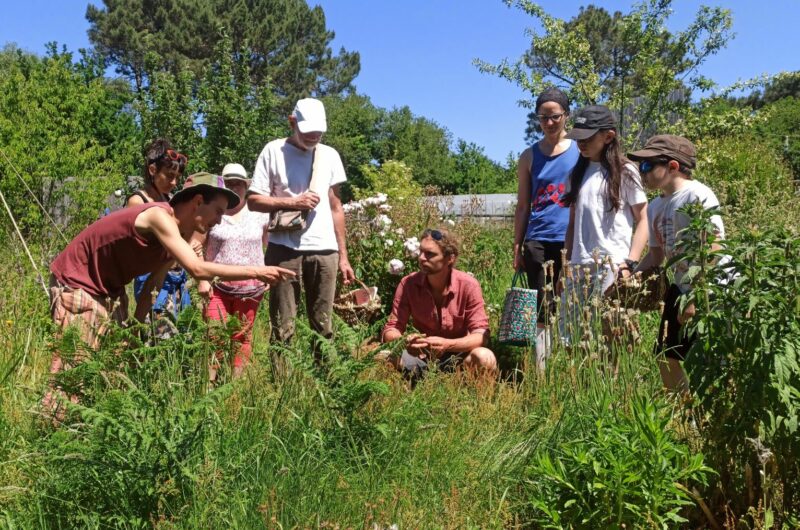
344,443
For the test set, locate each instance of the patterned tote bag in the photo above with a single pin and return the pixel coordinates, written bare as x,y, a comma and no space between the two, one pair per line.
518,321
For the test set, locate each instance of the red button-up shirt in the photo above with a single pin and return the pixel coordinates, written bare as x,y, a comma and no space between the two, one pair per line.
461,314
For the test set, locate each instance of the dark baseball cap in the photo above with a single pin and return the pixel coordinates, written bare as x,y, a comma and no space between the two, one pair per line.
668,146
591,119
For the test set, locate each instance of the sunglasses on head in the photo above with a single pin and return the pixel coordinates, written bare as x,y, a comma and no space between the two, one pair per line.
646,166
175,156
435,234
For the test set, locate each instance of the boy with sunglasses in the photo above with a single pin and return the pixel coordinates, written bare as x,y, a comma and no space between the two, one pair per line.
446,307
666,163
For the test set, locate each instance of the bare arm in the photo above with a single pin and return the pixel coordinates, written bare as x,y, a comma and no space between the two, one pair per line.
258,202
158,222
133,200
653,258
570,233
522,212
154,282
339,228
641,232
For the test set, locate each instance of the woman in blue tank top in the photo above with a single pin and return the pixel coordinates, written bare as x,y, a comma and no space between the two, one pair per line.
541,218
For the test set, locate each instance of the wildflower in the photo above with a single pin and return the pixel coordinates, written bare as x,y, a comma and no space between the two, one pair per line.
384,220
385,207
118,193
450,222
396,267
399,231
381,198
347,207
412,246
388,243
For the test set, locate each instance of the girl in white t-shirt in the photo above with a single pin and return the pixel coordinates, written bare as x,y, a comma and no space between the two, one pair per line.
607,228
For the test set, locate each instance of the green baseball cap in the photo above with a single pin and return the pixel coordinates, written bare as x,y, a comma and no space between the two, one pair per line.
205,180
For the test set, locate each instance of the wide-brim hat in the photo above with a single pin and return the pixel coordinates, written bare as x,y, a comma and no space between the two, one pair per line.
204,180
589,120
235,172
669,146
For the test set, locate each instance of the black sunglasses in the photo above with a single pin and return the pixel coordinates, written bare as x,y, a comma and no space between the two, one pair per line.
435,234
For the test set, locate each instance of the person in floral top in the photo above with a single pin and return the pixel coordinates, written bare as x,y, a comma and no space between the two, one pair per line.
238,240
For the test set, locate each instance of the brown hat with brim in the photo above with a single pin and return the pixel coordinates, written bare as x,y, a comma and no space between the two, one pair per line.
198,181
668,146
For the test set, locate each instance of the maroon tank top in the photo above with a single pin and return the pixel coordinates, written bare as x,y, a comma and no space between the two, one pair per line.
110,253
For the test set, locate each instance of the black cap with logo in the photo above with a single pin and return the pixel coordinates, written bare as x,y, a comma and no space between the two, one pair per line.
591,119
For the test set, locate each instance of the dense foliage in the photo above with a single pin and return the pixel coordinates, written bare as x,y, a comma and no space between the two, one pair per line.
590,442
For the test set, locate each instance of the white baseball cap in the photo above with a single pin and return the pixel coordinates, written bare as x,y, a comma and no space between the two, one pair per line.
234,172
310,115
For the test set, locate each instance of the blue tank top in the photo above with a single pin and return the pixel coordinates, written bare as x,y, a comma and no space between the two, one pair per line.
549,177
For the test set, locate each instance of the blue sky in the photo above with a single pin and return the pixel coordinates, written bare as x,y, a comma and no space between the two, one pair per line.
419,52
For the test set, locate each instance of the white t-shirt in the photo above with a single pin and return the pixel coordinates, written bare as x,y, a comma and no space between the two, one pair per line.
283,170
665,222
597,224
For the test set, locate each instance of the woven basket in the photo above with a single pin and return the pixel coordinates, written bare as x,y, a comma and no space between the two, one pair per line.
644,290
359,306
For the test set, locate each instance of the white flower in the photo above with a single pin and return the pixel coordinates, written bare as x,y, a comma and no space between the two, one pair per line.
400,231
388,243
396,267
412,246
450,222
385,207
347,207
371,201
381,198
384,220
118,193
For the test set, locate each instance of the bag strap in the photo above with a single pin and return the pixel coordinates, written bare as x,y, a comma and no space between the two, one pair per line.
315,170
520,277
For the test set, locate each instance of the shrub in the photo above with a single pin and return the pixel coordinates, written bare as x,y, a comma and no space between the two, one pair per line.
744,365
630,471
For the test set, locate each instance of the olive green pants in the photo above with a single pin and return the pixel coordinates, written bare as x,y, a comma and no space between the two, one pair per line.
316,276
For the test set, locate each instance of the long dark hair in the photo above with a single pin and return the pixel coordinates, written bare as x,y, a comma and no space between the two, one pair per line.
613,161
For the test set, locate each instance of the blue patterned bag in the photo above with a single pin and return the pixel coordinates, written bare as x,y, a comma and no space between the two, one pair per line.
518,320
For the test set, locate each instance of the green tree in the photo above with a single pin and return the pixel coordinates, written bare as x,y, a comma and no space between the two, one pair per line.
779,86
355,130
780,128
283,41
476,173
237,116
168,107
422,145
626,61
65,133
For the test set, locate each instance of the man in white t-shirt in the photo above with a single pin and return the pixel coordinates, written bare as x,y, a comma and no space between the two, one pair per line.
281,182
666,163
